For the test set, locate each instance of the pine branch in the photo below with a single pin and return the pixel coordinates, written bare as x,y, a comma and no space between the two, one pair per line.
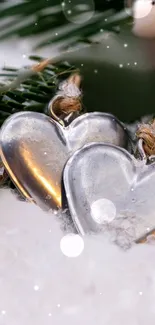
33,93
48,22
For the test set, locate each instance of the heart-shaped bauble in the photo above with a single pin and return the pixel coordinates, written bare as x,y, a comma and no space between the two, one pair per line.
107,189
34,149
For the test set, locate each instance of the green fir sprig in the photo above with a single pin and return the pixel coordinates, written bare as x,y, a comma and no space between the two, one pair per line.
33,93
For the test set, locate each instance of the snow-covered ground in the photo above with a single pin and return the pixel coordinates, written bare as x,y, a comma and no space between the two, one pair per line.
40,285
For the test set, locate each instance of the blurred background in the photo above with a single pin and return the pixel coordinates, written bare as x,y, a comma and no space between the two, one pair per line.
95,36
45,26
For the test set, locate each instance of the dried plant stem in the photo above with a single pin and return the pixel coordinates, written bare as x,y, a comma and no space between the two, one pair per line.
146,132
26,73
67,100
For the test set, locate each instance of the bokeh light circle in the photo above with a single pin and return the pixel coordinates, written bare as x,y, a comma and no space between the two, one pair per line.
103,211
78,11
72,245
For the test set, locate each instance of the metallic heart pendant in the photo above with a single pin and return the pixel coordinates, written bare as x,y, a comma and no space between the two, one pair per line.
108,190
34,149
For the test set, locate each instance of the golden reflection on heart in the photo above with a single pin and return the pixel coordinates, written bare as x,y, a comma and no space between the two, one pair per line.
44,180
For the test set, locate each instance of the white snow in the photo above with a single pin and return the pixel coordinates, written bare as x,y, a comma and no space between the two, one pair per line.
40,285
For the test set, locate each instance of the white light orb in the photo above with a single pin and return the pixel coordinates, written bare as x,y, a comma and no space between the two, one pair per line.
144,18
103,211
72,245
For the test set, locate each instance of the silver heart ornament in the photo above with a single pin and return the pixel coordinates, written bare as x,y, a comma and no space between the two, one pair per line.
34,149
108,190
